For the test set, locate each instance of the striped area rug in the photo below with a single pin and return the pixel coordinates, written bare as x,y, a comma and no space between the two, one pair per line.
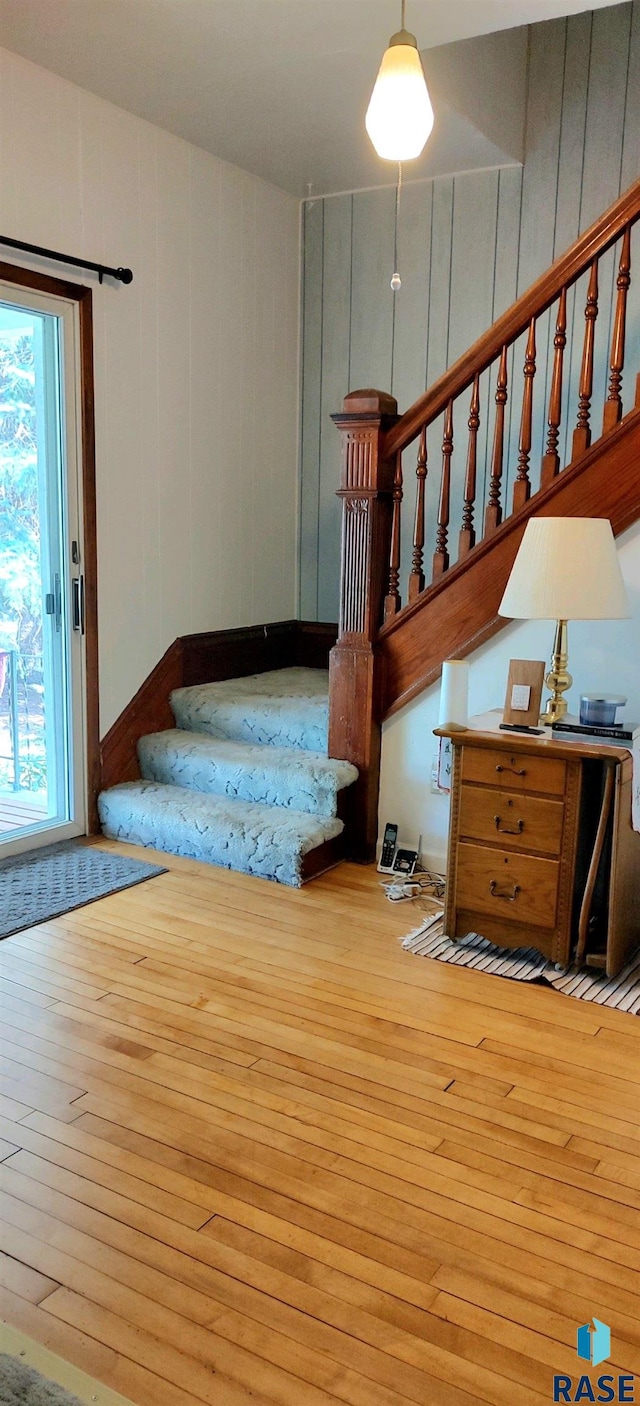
526,964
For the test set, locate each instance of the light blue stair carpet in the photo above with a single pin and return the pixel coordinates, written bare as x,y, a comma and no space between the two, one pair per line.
244,781
274,776
284,708
239,835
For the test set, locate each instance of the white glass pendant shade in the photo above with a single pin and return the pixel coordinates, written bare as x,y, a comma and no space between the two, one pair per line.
400,116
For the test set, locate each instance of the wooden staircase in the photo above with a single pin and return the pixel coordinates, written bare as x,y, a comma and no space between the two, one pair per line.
511,468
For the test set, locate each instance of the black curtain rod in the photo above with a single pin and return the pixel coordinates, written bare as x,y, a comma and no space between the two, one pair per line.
122,275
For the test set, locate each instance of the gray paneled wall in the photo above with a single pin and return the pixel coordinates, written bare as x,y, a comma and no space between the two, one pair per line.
468,245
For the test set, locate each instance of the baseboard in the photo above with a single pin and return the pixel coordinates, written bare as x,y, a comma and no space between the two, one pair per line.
208,658
314,641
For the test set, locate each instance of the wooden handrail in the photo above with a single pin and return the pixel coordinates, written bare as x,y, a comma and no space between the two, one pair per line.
376,666
532,303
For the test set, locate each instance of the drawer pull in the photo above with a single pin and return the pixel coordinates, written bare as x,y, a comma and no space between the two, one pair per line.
497,893
512,769
504,830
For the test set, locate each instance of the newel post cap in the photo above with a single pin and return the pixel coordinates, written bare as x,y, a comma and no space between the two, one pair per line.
369,402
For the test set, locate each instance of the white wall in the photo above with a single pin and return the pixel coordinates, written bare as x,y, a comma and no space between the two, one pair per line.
605,655
196,363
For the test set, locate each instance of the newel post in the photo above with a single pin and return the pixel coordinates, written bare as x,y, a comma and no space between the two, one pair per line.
366,490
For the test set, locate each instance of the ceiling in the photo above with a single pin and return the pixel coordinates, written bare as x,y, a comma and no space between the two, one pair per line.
280,87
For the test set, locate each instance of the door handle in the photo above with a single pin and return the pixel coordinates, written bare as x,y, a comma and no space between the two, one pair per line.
504,830
498,893
53,604
77,604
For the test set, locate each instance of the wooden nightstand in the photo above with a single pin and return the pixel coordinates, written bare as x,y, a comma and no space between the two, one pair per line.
541,849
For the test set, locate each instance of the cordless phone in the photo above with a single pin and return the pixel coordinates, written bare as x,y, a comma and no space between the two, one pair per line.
388,849
396,859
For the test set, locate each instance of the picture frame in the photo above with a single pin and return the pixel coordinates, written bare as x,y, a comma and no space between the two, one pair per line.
524,693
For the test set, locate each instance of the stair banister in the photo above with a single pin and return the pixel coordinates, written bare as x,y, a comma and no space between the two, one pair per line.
385,652
535,301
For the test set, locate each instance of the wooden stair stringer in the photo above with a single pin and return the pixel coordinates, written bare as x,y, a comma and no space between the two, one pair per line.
458,613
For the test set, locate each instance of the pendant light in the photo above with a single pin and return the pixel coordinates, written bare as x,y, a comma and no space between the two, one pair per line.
400,116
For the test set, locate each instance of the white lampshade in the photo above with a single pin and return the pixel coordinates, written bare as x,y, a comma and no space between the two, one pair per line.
400,116
567,568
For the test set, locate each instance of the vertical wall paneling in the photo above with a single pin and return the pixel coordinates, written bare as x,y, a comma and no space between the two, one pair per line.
631,135
470,309
371,295
540,186
410,331
469,245
505,290
438,341
411,323
608,72
570,168
608,77
630,172
440,278
573,117
540,173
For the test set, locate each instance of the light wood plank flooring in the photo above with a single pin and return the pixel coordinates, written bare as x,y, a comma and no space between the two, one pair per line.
254,1152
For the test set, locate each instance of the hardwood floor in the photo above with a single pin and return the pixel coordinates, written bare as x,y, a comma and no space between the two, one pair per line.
254,1152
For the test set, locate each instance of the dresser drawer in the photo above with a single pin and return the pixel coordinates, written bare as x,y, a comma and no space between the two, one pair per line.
520,771
513,886
518,822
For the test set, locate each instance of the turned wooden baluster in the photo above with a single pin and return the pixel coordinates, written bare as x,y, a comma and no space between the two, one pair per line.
493,511
613,403
416,575
582,432
551,458
392,601
522,485
467,532
441,554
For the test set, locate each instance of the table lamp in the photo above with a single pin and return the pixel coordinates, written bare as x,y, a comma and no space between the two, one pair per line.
566,569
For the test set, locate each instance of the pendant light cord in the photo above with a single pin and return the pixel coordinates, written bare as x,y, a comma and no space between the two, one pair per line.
395,239
396,281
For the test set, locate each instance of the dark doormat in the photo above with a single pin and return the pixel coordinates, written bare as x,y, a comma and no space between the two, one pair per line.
23,1386
45,883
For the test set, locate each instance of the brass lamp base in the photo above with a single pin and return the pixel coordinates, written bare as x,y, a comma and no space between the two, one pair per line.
558,679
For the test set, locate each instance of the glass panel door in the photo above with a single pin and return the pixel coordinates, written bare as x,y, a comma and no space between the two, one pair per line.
41,650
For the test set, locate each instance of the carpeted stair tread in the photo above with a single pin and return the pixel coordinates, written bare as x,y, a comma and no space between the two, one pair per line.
286,777
281,708
254,839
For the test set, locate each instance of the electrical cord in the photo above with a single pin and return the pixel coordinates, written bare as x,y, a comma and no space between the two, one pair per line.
423,883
